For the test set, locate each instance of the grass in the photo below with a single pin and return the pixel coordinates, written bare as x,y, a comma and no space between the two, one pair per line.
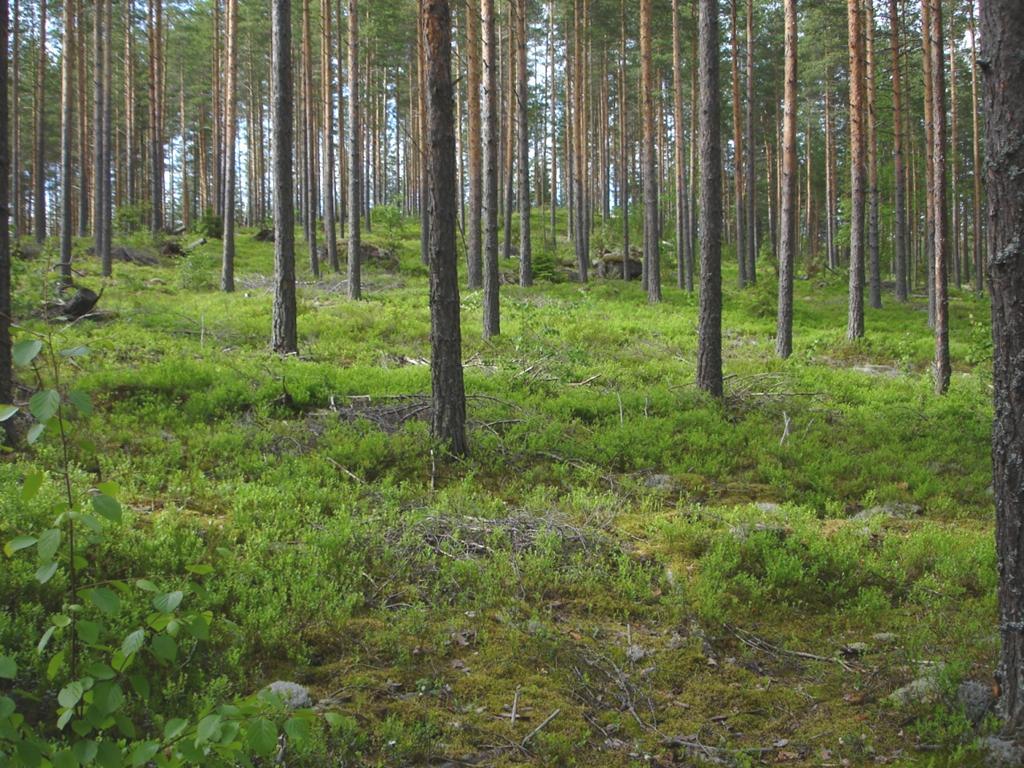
618,547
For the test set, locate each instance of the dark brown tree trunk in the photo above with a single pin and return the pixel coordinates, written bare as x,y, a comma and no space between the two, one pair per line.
1002,40
938,171
709,333
788,235
623,143
510,137
309,140
899,173
855,316
580,231
227,275
156,149
39,162
284,337
491,318
15,137
737,143
83,160
448,397
327,154
99,229
874,268
652,259
749,197
976,169
67,63
523,141
929,148
474,264
354,161
6,375
684,257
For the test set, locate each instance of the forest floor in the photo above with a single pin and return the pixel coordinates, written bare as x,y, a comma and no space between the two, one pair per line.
622,573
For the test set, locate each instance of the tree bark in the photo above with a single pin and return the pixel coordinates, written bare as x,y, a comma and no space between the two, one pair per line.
284,337
523,140
491,317
709,334
651,250
39,162
448,397
327,154
684,258
309,141
227,275
737,144
788,235
623,142
855,315
1002,40
6,373
750,199
66,133
899,173
938,171
976,169
354,161
874,269
15,138
474,264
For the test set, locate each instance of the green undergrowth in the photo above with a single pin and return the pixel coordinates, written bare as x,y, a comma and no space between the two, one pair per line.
679,579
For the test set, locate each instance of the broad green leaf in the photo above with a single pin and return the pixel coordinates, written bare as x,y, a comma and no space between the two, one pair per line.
108,755
71,694
107,506
198,626
88,631
140,685
167,602
49,543
59,620
165,648
208,728
90,522
6,707
262,736
34,433
81,401
45,571
143,752
110,488
99,670
24,352
8,668
297,729
44,404
18,543
64,759
334,719
85,751
33,482
174,728
108,698
6,411
133,642
125,726
54,665
105,600
45,639
147,585
200,569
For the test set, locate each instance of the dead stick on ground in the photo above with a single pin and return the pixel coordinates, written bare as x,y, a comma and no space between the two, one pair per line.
539,728
515,706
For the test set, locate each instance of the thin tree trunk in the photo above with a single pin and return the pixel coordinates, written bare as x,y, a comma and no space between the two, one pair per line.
327,156
855,316
709,333
284,337
155,115
651,249
737,144
354,161
6,373
788,235
623,143
448,397
929,176
510,133
14,115
523,139
100,35
66,133
749,196
39,162
954,160
938,170
899,173
309,140
684,258
227,275
474,265
580,230
83,160
874,269
491,317
976,169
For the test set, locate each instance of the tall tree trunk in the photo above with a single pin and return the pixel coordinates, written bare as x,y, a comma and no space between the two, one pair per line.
354,161
186,199
83,160
788,235
1002,40
929,144
6,375
14,115
938,170
108,149
523,140
874,268
954,161
156,149
39,162
309,139
684,257
100,43
709,333
580,230
855,316
623,142
474,265
327,155
510,132
830,181
448,397
651,249
284,336
737,144
227,275
749,196
492,324
976,169
899,173
67,63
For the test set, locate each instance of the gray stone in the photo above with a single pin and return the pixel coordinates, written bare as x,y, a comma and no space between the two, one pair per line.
660,482
292,695
1001,753
976,698
923,690
884,638
892,510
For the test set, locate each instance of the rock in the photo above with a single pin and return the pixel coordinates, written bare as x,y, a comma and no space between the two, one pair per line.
292,695
610,265
891,510
1000,753
977,700
660,482
923,690
854,649
171,248
884,638
134,256
264,235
